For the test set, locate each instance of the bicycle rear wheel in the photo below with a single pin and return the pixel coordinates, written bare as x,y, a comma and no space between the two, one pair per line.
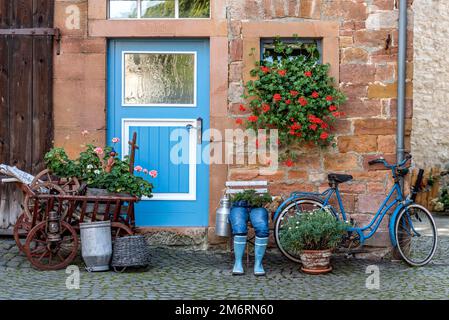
416,235
291,210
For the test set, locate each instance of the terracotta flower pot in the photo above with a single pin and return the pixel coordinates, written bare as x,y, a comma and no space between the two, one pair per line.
316,261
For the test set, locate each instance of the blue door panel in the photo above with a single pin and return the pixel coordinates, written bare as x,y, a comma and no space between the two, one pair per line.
154,140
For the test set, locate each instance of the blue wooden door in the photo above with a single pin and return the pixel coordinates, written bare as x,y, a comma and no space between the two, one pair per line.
160,89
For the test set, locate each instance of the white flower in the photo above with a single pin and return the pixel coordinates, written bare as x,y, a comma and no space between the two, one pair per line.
89,166
97,171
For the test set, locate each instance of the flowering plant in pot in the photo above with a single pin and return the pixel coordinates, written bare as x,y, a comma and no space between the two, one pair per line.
295,95
101,170
314,235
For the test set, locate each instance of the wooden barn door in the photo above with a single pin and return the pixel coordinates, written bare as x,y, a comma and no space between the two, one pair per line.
26,57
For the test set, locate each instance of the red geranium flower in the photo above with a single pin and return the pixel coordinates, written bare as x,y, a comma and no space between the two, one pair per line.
239,121
324,135
315,94
265,69
308,73
336,114
253,118
298,134
324,125
282,73
314,119
242,107
332,108
313,127
302,101
265,107
289,163
329,98
295,126
288,101
293,93
277,97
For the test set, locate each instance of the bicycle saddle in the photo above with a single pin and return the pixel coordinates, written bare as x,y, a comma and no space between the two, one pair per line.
338,178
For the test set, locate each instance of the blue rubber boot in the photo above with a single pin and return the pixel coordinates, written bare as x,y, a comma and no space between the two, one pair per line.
239,250
259,251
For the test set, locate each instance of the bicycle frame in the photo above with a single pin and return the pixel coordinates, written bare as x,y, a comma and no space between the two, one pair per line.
367,231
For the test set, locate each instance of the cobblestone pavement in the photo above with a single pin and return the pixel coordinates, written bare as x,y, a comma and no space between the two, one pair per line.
180,274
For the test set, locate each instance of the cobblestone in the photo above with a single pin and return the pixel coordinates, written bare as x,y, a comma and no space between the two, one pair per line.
185,274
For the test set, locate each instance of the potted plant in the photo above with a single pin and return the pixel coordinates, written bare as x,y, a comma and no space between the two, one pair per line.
250,199
294,94
101,170
314,235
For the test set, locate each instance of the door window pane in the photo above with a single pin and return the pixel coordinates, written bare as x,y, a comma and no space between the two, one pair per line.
194,8
158,9
122,9
159,78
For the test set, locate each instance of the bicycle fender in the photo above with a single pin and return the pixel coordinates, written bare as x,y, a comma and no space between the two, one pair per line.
289,200
393,221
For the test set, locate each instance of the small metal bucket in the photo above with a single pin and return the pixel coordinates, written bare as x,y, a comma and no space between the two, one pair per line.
96,245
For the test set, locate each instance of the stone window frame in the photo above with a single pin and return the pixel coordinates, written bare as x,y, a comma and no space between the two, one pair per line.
326,31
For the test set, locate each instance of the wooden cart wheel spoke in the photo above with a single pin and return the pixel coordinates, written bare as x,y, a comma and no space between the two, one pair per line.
120,230
21,229
66,250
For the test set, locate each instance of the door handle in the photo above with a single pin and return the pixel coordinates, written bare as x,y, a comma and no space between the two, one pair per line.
199,130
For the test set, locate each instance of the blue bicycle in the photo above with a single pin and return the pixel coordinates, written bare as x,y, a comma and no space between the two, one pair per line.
411,227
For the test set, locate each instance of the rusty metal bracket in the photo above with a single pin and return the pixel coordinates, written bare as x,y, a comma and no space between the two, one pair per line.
35,32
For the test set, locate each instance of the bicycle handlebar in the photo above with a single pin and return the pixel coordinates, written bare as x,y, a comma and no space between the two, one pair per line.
407,157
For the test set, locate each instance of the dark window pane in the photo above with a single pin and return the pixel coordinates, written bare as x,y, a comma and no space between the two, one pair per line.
308,48
120,9
194,8
158,9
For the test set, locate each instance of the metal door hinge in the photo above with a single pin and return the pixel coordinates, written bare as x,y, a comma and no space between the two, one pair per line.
36,32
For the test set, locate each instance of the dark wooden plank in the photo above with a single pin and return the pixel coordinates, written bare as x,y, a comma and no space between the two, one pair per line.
5,14
22,14
21,102
43,13
4,99
42,115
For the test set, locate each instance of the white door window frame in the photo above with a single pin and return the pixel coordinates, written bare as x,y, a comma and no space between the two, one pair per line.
195,80
182,123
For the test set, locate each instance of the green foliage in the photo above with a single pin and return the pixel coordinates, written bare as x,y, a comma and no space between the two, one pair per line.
444,197
295,95
90,167
253,199
313,230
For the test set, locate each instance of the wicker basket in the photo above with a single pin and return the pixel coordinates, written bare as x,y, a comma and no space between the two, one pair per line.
130,251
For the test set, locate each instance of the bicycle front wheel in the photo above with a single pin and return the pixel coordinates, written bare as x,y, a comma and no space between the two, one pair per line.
296,207
416,235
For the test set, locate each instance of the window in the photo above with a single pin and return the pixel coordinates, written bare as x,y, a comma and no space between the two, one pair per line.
158,9
159,78
299,46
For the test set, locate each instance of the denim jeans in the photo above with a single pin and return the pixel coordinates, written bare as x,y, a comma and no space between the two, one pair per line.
259,219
